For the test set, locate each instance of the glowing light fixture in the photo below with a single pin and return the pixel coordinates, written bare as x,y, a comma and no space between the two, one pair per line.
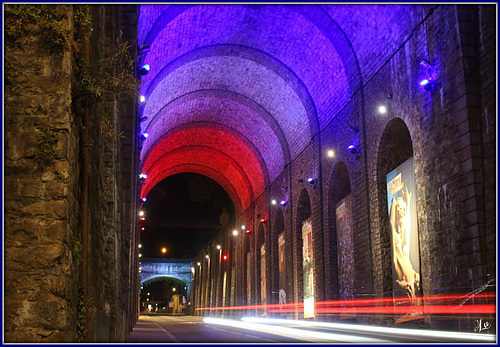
140,246
283,203
164,250
243,227
143,228
141,213
262,220
142,218
330,153
143,176
142,99
424,82
173,289
143,136
225,257
192,270
143,199
143,70
235,232
218,246
140,255
198,263
274,202
382,109
207,256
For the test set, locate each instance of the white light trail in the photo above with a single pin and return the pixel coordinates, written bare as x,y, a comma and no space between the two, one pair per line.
304,335
382,330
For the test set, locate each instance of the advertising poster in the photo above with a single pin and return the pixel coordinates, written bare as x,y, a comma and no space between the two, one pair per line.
345,248
263,273
281,270
401,200
308,269
224,281
249,279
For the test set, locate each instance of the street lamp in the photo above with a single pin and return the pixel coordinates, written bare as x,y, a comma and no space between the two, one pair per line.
173,289
164,250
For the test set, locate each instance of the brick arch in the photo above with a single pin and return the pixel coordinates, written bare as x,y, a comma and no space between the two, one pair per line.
221,107
395,148
235,195
261,57
320,23
339,187
247,84
222,138
206,156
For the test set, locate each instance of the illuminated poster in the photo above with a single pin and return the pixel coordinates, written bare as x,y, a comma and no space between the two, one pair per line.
401,200
224,289
281,270
308,269
263,273
249,278
345,248
281,262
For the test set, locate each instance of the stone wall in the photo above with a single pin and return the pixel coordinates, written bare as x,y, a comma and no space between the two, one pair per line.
70,275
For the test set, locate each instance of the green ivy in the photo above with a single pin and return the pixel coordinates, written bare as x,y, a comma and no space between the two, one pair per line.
47,150
81,329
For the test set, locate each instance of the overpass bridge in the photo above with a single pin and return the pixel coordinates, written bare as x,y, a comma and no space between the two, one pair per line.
178,268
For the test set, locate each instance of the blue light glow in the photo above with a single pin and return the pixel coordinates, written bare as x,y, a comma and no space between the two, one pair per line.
424,82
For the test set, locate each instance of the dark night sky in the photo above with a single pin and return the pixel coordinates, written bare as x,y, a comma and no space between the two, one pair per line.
182,213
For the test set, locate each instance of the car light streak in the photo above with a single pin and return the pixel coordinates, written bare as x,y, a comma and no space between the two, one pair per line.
375,329
397,305
305,335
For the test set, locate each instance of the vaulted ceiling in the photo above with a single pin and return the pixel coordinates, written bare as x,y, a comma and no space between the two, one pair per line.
236,92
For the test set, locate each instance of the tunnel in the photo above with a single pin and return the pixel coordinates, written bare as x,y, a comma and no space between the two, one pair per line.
307,163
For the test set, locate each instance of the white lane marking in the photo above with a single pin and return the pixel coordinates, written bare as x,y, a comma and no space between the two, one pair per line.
175,339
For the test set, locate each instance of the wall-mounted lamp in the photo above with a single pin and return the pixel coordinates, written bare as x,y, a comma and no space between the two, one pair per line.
382,109
207,256
141,213
198,263
142,99
429,77
353,149
283,203
143,199
273,202
143,70
330,153
263,220
243,227
218,247
143,136
235,232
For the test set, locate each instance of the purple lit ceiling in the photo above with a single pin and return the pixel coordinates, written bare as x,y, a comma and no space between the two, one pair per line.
236,92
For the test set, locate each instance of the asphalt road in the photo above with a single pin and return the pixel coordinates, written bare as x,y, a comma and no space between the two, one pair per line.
191,329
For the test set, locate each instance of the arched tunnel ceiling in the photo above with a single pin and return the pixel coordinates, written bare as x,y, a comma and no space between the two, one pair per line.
236,92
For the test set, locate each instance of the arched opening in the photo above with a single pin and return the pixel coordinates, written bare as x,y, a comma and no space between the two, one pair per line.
279,286
164,295
247,269
340,238
397,212
305,254
261,266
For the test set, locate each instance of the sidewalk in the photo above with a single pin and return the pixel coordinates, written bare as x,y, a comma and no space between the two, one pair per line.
145,330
